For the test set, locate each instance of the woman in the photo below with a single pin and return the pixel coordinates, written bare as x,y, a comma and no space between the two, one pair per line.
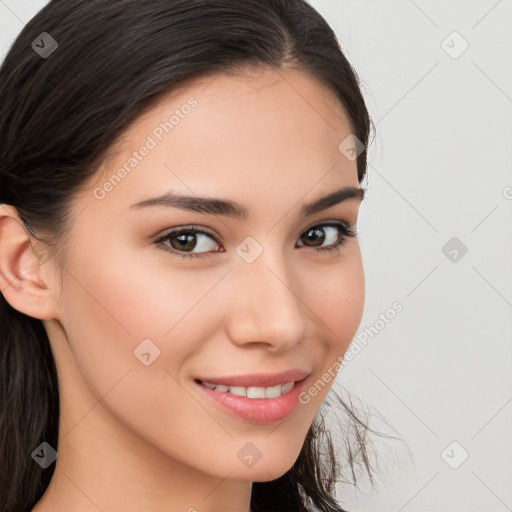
179,266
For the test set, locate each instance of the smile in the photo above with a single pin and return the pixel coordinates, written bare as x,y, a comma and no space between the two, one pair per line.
252,392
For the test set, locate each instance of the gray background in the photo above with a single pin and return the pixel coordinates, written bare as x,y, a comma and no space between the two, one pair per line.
440,167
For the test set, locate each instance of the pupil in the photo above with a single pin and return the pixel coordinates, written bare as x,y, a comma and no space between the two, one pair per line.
183,240
317,233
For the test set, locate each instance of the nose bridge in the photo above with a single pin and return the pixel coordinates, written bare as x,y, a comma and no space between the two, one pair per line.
268,308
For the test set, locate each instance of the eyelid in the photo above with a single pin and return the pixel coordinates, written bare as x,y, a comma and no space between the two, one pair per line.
216,237
188,227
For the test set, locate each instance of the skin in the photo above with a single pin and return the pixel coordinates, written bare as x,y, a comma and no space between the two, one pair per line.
135,437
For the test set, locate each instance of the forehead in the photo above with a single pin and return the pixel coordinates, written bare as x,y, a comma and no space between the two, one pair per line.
222,133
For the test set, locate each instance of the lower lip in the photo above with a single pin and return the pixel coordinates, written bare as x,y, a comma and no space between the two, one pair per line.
257,410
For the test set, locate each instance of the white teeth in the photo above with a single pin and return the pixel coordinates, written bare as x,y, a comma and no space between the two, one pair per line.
287,387
274,391
237,390
252,391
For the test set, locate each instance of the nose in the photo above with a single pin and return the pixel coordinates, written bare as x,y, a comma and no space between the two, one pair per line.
267,306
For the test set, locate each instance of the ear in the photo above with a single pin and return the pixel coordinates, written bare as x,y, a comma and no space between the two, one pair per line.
26,280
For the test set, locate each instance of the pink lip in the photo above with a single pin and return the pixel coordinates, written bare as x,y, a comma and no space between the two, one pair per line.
258,380
256,410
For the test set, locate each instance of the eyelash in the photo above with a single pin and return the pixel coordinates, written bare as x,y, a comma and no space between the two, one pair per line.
345,232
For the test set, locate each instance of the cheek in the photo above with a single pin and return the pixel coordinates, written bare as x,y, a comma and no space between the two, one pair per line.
128,297
336,297
337,302
113,309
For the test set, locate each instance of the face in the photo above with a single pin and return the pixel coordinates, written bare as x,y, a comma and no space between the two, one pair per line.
158,296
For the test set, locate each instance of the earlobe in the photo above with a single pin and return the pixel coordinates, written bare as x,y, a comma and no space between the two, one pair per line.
23,281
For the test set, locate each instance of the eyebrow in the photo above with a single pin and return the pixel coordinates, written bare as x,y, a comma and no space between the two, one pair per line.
213,206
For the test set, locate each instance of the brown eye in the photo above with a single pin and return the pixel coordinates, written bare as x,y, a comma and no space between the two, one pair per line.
335,234
182,242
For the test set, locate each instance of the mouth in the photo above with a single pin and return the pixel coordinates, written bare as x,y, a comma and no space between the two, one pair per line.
251,391
259,399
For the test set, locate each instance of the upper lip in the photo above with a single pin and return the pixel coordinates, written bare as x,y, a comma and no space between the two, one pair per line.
265,380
